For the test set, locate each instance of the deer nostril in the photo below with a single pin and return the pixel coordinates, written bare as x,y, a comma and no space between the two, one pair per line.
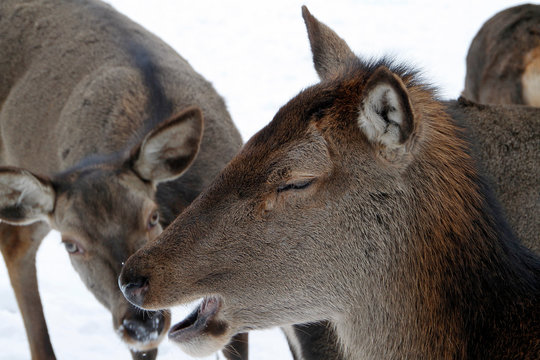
134,289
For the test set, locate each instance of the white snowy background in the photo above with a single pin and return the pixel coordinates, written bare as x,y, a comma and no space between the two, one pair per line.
257,55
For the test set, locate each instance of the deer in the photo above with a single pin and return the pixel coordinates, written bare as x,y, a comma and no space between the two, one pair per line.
503,62
102,138
505,142
360,205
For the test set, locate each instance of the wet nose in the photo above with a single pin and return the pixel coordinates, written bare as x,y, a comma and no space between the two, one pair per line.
133,287
145,326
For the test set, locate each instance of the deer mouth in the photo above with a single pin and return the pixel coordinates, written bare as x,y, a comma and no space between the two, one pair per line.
143,330
202,322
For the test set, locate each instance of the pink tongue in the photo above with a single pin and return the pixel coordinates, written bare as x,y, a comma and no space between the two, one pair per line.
208,306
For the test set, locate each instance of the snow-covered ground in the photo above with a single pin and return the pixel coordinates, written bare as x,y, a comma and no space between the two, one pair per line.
257,55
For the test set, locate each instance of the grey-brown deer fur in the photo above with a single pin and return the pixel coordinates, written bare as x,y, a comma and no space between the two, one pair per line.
101,124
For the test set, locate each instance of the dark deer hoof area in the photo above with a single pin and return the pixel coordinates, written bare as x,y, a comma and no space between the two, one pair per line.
202,321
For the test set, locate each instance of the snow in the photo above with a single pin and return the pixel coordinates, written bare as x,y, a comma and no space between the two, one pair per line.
257,56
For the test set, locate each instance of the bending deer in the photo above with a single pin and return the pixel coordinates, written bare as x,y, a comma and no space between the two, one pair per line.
100,126
503,63
359,204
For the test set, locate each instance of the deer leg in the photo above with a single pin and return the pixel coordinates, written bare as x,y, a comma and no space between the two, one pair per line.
237,349
19,245
316,341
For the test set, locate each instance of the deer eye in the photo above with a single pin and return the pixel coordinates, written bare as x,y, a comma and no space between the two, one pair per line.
295,185
153,220
72,247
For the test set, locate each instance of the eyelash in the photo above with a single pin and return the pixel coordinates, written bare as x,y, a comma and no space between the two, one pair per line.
295,186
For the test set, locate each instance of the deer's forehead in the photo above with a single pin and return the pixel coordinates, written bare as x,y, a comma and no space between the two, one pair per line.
103,200
299,126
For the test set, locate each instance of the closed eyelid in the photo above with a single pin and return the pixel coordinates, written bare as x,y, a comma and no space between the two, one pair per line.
307,159
297,184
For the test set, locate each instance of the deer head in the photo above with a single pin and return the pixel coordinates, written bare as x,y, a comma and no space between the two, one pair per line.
105,210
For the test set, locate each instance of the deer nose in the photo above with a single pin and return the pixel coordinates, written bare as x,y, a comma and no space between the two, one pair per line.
145,326
134,288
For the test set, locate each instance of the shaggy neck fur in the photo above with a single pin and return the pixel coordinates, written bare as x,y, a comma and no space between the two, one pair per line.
460,284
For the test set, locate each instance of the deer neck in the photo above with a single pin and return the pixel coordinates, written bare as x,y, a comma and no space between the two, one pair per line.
456,265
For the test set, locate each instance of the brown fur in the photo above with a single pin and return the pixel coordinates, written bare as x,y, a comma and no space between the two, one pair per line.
397,241
503,59
506,143
82,89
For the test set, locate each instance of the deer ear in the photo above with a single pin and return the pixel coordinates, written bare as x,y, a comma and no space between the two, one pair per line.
24,197
386,115
168,151
330,52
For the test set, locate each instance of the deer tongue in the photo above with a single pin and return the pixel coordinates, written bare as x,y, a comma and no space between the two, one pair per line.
201,322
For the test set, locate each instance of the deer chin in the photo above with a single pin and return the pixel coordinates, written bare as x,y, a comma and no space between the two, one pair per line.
202,332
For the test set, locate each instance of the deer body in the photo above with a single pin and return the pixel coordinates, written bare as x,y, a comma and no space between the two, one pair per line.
100,124
503,62
358,204
505,142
